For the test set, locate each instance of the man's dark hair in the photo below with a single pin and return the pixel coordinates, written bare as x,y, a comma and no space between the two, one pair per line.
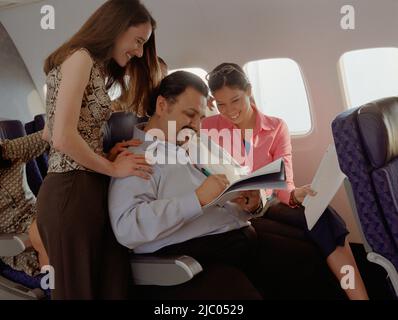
174,85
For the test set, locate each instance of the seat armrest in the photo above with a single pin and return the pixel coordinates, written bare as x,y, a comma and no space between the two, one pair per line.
13,291
13,244
163,271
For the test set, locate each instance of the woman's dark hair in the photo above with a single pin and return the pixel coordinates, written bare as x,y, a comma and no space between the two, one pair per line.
174,85
98,36
230,75
163,67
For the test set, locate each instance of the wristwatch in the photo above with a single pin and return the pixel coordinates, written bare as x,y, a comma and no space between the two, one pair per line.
259,210
293,202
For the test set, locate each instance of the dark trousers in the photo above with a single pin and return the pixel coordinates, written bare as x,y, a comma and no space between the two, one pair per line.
269,253
297,256
329,232
74,224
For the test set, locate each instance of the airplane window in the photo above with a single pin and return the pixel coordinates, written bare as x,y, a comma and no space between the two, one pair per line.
114,92
202,74
279,91
198,71
369,74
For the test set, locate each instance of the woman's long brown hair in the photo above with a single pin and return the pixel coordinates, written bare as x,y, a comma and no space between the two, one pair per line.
98,36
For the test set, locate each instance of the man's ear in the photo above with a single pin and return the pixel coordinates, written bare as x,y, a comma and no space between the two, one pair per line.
161,106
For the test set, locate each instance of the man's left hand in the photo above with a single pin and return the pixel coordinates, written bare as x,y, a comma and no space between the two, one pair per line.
248,200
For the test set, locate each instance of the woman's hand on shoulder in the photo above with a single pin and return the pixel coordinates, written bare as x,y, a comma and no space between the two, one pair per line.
122,146
130,164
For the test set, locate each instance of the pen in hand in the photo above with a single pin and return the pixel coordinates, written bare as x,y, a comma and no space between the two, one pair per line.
205,172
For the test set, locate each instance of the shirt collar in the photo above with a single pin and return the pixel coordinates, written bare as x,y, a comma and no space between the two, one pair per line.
263,121
151,142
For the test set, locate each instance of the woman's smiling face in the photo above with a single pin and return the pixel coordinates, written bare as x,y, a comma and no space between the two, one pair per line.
131,43
233,104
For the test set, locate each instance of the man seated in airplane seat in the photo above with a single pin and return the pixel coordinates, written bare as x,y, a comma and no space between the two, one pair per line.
17,202
165,214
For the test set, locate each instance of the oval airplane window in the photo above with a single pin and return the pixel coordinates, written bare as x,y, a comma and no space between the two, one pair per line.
198,71
202,74
279,91
368,74
114,93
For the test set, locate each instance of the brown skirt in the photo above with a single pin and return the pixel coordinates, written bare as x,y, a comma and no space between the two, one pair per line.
74,224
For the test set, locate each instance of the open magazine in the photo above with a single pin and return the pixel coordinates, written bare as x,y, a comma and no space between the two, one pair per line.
213,159
271,176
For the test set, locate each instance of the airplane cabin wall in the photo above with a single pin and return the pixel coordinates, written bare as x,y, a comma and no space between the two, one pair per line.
204,33
19,97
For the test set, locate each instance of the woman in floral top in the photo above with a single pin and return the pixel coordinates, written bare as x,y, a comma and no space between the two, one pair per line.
17,202
117,41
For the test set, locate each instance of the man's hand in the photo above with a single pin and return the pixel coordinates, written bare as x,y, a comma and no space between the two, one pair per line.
248,200
122,146
211,188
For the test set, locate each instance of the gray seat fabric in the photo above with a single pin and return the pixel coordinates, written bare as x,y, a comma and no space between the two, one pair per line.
120,127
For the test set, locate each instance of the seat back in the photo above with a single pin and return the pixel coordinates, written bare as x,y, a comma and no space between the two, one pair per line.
120,127
13,129
34,126
366,144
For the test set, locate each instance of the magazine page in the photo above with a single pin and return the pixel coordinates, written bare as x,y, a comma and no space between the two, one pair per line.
271,176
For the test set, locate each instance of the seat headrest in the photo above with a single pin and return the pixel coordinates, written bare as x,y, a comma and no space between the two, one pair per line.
36,125
11,129
40,121
120,127
378,125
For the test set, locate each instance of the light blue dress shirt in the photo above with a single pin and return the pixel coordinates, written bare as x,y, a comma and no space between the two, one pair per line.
149,215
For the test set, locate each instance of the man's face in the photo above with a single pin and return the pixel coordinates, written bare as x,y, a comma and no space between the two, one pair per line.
187,112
